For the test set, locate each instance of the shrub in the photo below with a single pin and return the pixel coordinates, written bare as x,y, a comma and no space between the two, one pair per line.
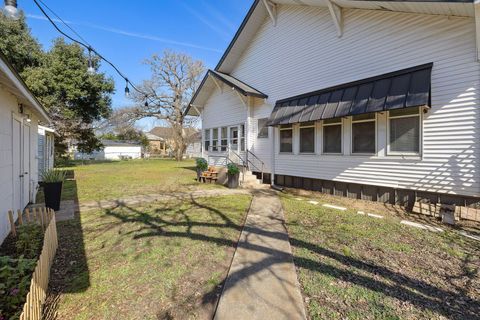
53,175
15,276
202,164
232,169
29,241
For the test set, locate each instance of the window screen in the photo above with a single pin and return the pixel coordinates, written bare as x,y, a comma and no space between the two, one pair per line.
363,137
224,141
405,134
307,140
286,140
332,139
214,139
262,128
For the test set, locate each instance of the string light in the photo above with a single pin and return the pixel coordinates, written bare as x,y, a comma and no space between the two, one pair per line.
127,90
88,47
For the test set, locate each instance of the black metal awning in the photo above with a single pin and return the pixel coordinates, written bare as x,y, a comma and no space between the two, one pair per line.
400,89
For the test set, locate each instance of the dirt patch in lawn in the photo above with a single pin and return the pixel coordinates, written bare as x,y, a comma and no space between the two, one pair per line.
167,260
353,266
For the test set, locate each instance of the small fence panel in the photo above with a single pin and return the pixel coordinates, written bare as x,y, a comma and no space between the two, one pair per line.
32,309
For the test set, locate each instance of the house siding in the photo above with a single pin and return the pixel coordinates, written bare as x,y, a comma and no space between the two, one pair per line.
281,63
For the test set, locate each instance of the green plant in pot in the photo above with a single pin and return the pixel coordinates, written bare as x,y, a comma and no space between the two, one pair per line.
233,173
202,165
52,181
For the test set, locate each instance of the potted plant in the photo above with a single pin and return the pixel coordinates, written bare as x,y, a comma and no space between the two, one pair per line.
233,173
202,165
52,181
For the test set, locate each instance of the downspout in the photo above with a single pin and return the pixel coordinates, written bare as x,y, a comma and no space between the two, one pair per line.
272,169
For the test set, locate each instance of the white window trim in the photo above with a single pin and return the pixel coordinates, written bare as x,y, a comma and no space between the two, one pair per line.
259,129
217,146
351,136
280,143
341,135
420,136
313,125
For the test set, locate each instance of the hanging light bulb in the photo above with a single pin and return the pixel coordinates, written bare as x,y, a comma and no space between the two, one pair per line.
127,90
146,103
91,68
10,10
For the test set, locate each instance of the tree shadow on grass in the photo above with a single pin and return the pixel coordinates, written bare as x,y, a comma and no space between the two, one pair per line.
424,295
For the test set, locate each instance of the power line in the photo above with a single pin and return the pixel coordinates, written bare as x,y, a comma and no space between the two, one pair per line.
87,46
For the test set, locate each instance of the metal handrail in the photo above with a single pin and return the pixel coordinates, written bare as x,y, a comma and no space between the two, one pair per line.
256,157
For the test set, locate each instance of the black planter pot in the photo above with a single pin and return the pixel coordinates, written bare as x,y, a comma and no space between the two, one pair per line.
53,194
233,180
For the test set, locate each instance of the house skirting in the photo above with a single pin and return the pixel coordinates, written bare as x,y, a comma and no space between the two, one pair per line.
402,197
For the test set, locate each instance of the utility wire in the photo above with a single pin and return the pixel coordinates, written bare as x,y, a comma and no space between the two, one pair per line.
85,45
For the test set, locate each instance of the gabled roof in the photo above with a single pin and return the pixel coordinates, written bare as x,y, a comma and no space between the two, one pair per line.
208,84
152,137
120,143
12,81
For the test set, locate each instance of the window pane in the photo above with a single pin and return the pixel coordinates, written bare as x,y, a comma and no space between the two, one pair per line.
234,138
285,140
207,145
332,139
224,141
307,140
207,139
363,137
405,134
262,128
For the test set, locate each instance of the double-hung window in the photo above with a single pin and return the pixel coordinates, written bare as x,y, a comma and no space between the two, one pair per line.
242,137
207,139
223,139
364,134
404,131
234,138
307,137
215,139
286,138
332,136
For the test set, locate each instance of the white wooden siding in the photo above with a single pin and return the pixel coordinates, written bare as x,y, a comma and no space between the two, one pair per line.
302,53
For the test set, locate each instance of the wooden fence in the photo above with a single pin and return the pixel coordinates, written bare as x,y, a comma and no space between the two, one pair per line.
32,309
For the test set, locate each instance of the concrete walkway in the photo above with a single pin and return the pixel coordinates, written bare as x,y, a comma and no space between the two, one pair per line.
262,282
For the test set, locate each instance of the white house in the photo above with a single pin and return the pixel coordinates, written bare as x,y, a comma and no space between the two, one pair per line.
20,115
46,144
367,99
113,150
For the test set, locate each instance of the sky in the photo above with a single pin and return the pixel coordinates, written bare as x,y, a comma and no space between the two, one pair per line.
128,32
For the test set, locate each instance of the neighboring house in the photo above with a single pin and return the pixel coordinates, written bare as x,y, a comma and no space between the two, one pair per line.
194,139
112,150
368,99
46,144
20,114
156,145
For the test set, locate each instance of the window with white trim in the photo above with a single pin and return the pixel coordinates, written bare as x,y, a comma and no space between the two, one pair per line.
207,139
364,134
223,138
286,138
262,128
404,131
242,137
332,136
214,139
307,137
234,138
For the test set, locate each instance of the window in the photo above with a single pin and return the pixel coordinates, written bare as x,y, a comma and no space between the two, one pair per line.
224,139
215,139
364,134
242,137
307,137
234,138
286,133
332,136
262,128
207,139
404,131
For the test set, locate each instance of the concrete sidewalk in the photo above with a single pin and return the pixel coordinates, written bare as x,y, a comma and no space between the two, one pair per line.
262,282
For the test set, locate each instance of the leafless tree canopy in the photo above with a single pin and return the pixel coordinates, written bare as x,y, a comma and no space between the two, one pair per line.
175,76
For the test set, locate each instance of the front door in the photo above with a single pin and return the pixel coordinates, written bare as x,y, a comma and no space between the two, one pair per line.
26,165
234,138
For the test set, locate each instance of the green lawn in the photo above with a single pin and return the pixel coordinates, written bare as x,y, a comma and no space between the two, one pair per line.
112,180
351,266
166,260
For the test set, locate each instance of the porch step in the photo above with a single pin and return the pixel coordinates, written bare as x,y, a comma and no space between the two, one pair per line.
250,180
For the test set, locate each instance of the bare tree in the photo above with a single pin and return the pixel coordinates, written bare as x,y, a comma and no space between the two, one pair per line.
175,76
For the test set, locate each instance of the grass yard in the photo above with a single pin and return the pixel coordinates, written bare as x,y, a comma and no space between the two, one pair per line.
166,260
112,180
352,266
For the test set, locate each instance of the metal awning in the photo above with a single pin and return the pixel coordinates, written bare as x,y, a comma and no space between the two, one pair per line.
395,90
